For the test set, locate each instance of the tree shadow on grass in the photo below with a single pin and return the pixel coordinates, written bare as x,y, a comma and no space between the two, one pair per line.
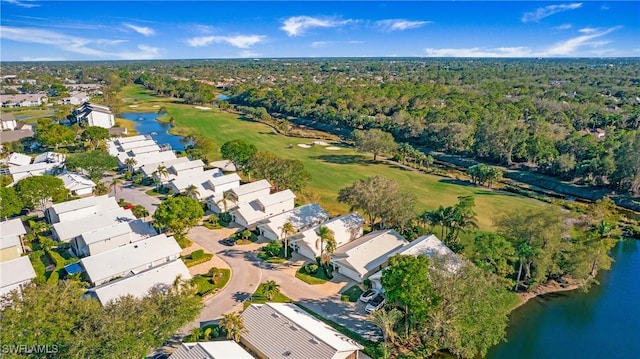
342,159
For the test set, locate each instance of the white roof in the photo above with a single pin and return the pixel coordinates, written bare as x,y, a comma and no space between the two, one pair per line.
198,178
226,349
8,241
152,157
113,262
72,229
140,284
12,227
275,198
252,211
100,203
14,272
345,229
432,247
35,167
250,188
368,252
19,159
301,218
74,182
224,165
51,157
121,140
220,180
149,168
187,165
276,328
146,149
138,229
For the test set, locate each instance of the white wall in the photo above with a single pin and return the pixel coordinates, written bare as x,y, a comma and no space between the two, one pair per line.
349,273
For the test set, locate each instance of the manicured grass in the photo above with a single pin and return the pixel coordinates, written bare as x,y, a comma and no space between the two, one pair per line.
189,261
216,279
259,298
352,294
183,241
128,124
318,277
333,170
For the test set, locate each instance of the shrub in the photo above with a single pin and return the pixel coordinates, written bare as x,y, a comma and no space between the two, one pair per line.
225,217
311,268
273,248
197,254
182,240
367,283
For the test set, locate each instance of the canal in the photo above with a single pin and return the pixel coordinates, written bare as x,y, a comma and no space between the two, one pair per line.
146,124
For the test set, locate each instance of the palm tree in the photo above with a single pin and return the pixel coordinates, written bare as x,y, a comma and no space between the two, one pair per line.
130,163
233,324
270,288
324,235
161,172
226,198
385,320
287,230
192,191
100,189
114,185
196,333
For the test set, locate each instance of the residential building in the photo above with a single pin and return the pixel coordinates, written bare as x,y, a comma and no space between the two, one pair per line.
149,169
242,194
18,159
69,231
19,133
283,330
23,100
75,98
130,259
76,184
11,236
112,236
8,122
50,157
34,169
207,183
345,229
303,217
366,255
95,115
15,274
80,208
224,165
250,213
225,349
139,285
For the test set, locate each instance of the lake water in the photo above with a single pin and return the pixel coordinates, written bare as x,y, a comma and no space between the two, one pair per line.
603,323
146,124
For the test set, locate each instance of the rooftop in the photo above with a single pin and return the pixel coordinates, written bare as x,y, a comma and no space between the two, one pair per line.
138,230
301,218
187,165
198,178
15,271
100,203
275,198
370,251
227,349
19,159
74,181
71,229
149,168
12,227
250,188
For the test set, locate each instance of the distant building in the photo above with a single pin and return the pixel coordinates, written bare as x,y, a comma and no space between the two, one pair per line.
23,100
75,98
8,121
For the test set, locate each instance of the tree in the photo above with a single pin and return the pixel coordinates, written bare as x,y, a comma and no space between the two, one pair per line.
140,211
282,173
131,164
10,202
233,324
270,289
494,253
386,321
239,152
286,230
38,191
407,286
93,135
53,135
627,158
95,163
113,185
192,191
375,141
227,197
100,189
373,196
178,214
326,237
160,173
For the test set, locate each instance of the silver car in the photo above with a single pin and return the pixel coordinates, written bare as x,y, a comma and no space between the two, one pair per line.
368,295
375,303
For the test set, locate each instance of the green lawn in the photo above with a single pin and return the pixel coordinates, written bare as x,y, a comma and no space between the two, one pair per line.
332,170
352,294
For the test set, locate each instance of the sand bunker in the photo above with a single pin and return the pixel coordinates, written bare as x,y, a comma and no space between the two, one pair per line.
202,107
155,106
304,145
333,148
321,143
133,106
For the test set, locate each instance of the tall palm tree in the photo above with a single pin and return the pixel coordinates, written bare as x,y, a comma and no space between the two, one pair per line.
324,235
287,230
113,185
270,288
192,191
226,198
130,163
386,321
233,324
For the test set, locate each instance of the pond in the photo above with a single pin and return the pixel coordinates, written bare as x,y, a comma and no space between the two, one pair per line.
146,124
603,323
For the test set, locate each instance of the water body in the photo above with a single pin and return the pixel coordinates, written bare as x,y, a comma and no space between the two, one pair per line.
603,323
222,97
146,124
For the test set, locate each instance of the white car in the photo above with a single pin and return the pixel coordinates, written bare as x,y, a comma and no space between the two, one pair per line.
368,295
375,303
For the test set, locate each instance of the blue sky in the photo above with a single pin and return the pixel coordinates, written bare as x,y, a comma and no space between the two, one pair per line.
120,30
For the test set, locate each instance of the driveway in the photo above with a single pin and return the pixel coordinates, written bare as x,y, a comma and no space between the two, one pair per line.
137,195
248,271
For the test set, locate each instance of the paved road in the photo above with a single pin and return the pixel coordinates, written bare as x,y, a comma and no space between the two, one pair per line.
135,195
247,272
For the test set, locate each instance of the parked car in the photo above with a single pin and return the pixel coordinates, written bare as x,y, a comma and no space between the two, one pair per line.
228,242
375,303
368,295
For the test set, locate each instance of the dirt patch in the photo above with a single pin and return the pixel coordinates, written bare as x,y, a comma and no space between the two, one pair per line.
551,286
133,106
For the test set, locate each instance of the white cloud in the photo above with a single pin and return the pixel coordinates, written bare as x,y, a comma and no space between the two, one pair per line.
563,27
399,24
142,30
569,47
297,25
319,44
247,54
27,4
542,12
239,41
74,44
520,51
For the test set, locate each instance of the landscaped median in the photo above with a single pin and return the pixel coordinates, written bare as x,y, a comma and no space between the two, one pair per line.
312,274
196,257
211,282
